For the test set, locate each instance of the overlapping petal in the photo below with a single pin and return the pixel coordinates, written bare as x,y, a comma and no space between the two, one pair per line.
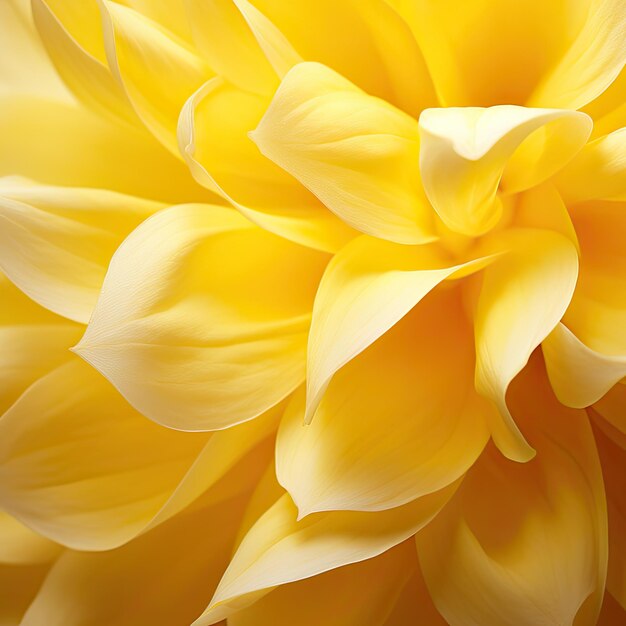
203,318
399,421
21,546
524,544
355,152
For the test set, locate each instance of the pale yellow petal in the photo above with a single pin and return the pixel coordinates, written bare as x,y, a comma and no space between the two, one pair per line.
593,61
579,375
522,545
171,14
95,152
523,296
279,550
158,71
213,136
597,313
21,546
597,172
399,421
81,467
34,342
356,153
367,287
165,577
469,154
362,594
56,242
203,318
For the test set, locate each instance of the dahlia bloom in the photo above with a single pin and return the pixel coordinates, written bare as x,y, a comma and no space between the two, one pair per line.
313,312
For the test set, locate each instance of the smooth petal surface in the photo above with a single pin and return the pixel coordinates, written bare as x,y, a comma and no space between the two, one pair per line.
468,153
18,586
213,136
597,314
158,71
21,546
164,577
579,375
399,421
361,594
367,287
355,152
524,544
279,550
523,297
598,172
612,408
82,467
203,318
56,242
34,342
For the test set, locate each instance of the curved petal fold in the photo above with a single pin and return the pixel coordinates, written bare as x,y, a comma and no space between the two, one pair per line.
523,297
521,545
56,242
279,549
84,469
367,287
356,153
579,375
21,546
203,318
468,154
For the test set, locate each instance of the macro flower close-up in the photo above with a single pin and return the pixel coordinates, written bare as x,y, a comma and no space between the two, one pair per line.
312,312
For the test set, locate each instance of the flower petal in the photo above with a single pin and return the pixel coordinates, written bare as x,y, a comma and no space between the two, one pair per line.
579,375
356,153
278,549
203,318
213,135
597,313
523,297
158,71
56,242
164,577
592,62
362,593
367,287
524,544
21,546
467,153
597,172
612,408
398,422
81,467
18,586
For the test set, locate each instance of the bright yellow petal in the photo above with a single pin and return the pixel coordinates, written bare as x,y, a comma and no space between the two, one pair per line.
171,14
468,154
203,318
83,468
521,545
597,314
597,172
164,577
279,550
367,287
613,459
398,422
96,152
523,296
213,135
355,152
593,61
609,109
158,71
34,342
56,242
579,375
21,546
361,594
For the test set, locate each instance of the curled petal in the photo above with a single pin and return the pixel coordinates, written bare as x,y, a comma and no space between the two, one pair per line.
355,152
521,545
467,153
203,318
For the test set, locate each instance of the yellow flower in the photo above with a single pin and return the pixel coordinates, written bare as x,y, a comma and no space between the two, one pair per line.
313,312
